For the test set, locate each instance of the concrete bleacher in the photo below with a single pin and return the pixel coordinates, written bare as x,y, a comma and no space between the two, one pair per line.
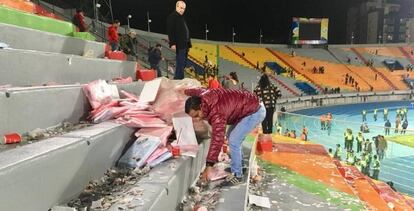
27,67
315,53
32,39
53,171
25,109
343,55
200,50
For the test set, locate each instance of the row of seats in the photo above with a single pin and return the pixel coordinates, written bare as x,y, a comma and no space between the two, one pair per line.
10,15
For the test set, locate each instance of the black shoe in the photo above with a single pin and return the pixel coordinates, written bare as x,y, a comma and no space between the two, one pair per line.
232,180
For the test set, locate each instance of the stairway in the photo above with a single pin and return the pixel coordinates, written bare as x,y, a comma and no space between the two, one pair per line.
362,58
281,83
406,54
297,72
346,66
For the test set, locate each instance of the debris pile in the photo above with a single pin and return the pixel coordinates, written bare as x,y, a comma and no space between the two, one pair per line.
117,186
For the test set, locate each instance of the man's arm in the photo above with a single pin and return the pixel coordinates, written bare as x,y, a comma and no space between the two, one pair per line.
218,124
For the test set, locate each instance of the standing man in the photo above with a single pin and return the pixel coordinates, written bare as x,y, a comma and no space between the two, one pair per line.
385,114
387,126
364,115
179,38
376,168
154,58
113,37
221,107
375,114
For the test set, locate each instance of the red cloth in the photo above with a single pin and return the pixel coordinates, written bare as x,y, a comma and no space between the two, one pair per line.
223,107
113,34
213,84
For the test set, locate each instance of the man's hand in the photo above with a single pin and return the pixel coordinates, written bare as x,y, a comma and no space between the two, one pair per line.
204,175
173,47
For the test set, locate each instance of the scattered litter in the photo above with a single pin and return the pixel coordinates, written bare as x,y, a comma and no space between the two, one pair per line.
259,201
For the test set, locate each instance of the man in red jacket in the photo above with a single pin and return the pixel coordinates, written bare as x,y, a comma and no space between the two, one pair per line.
113,37
221,107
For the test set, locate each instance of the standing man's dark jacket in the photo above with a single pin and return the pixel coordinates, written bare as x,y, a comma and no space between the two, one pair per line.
178,33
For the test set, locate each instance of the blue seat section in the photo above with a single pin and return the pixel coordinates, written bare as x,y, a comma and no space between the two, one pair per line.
198,69
275,67
306,88
393,64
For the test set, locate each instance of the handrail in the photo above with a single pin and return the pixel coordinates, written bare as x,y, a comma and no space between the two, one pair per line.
295,103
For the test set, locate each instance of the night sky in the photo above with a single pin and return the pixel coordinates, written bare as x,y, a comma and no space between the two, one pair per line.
247,16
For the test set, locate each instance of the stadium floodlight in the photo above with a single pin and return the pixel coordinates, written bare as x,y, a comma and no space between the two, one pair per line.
206,32
233,34
148,22
129,17
260,36
352,38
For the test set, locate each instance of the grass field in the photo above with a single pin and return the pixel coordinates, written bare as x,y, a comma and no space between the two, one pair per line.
407,140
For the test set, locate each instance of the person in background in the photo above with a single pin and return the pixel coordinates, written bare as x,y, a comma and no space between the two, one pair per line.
375,114
376,168
155,57
364,115
213,82
330,153
179,38
79,21
404,126
232,82
385,114
267,93
397,124
113,36
240,109
279,129
359,139
382,147
387,126
338,152
304,135
349,139
128,44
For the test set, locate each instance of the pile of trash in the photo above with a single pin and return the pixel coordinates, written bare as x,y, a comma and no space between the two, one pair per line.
39,134
62,128
110,189
155,113
163,132
205,196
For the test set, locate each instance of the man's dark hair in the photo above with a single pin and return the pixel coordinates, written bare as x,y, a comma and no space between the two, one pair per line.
116,21
192,103
264,81
234,76
158,45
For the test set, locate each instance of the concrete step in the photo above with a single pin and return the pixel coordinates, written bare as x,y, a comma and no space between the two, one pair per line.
167,184
25,109
27,67
32,39
41,175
